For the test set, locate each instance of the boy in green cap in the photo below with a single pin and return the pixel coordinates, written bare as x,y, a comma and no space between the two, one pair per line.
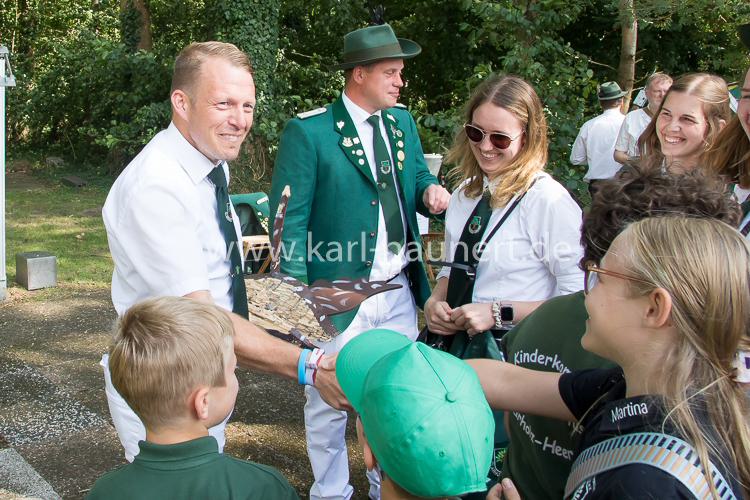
173,361
422,416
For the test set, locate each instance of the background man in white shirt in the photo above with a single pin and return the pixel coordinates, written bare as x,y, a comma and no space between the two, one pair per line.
164,225
636,121
595,143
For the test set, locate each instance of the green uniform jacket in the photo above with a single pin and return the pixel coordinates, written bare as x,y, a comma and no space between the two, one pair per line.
331,221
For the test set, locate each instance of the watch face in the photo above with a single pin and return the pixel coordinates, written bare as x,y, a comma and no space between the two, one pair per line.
506,313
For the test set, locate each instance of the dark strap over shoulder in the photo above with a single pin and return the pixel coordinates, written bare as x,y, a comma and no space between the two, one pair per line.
463,269
667,453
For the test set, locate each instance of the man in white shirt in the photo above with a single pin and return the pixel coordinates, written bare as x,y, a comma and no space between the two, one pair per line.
636,121
167,233
595,143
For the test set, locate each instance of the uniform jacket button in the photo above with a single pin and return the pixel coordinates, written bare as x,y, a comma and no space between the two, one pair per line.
368,263
372,234
374,202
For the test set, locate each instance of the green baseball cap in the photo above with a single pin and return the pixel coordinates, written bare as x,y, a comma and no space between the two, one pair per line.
423,411
375,43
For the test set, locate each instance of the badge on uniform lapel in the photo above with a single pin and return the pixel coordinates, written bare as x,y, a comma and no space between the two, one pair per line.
385,167
475,225
400,155
347,142
356,140
228,212
400,165
340,125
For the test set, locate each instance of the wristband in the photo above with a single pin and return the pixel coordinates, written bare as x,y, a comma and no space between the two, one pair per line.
301,366
311,366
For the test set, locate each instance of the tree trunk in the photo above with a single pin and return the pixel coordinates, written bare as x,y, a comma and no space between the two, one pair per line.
135,24
626,68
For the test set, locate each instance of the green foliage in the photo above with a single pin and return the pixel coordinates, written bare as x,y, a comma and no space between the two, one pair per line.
98,97
84,89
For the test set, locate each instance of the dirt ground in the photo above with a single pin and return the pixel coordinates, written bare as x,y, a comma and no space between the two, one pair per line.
54,413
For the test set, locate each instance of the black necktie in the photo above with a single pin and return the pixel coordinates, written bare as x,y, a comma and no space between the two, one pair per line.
460,288
386,188
239,294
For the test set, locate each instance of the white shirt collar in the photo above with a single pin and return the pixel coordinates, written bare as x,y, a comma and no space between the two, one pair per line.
490,185
612,110
193,162
357,114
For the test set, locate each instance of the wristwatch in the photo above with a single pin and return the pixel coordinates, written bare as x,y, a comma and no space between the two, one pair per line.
502,312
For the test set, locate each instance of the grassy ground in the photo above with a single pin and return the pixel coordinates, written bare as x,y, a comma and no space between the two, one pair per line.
44,214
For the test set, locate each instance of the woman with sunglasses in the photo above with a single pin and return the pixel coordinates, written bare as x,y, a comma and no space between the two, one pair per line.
526,222
669,304
694,111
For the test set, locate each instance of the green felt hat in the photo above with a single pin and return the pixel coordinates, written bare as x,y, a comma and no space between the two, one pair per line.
610,90
374,43
744,32
423,411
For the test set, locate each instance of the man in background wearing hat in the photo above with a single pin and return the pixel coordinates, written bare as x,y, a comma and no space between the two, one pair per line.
357,176
595,144
422,416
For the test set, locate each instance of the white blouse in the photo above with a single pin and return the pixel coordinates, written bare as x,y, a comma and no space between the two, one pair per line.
534,255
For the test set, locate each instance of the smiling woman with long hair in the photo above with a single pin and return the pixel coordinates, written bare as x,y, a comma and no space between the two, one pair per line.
687,123
525,221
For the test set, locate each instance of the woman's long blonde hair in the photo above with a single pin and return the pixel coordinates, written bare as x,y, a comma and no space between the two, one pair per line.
515,95
704,265
712,92
730,155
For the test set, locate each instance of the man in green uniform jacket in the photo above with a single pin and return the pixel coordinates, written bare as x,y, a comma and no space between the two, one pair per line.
357,176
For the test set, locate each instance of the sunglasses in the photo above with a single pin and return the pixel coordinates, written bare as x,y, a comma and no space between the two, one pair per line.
591,278
498,140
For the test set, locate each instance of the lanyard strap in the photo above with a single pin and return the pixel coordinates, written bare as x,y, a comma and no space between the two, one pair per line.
463,274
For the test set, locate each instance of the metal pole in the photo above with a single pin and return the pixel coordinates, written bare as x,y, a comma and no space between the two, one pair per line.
5,81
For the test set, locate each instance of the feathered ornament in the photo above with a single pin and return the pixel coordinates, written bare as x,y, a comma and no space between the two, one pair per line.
377,16
294,311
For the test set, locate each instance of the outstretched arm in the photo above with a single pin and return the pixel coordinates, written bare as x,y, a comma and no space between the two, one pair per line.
512,388
257,350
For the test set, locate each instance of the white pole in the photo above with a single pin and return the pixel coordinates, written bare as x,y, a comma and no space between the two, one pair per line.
6,80
3,275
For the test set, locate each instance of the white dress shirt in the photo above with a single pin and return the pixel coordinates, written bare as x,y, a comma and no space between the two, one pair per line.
595,145
632,127
385,264
162,225
535,253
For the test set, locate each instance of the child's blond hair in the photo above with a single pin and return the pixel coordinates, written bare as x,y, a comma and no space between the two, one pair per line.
163,349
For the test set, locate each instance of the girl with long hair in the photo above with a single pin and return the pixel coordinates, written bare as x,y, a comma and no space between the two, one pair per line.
691,116
669,304
526,222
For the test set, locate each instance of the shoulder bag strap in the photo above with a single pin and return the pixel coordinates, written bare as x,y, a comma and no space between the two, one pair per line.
667,453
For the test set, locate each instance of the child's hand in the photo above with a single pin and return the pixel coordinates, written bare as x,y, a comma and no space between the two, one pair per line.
504,490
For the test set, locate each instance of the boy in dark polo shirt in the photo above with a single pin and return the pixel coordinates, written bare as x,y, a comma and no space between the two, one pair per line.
173,361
